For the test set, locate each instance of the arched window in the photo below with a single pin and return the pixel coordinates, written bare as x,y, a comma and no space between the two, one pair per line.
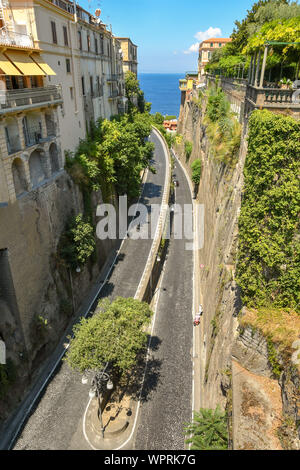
54,160
19,177
37,173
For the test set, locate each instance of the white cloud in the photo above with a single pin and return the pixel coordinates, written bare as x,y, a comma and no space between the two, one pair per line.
192,48
202,36
209,33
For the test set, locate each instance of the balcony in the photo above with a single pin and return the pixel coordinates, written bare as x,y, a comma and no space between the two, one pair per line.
28,98
10,38
13,143
113,78
182,85
114,95
270,98
67,6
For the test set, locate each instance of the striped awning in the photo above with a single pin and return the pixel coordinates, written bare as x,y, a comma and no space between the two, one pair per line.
6,67
24,63
43,64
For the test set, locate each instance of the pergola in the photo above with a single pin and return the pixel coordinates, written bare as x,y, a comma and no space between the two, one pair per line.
256,75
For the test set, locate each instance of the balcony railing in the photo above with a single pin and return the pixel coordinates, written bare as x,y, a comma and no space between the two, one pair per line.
270,97
11,38
114,94
13,144
67,6
114,78
29,98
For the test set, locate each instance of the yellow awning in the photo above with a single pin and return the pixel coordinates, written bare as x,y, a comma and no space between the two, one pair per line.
24,63
7,67
40,60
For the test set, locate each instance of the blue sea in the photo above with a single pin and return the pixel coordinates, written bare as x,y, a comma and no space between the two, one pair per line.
162,90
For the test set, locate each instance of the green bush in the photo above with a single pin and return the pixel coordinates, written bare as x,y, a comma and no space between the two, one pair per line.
223,129
209,430
196,171
77,243
188,148
268,268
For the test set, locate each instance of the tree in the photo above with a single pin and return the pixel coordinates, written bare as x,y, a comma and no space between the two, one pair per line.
196,171
209,430
115,334
132,85
77,242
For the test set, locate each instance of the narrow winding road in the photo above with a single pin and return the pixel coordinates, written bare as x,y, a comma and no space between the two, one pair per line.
167,399
56,423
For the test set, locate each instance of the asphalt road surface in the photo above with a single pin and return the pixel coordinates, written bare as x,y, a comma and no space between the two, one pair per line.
167,397
56,422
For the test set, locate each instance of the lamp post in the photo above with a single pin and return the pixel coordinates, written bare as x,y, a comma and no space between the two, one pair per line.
100,379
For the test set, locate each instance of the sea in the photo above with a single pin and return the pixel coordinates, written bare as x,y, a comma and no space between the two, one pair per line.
162,90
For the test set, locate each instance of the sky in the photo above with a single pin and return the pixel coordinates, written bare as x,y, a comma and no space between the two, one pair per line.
167,33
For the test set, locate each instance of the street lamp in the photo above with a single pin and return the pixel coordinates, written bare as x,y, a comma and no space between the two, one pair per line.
100,379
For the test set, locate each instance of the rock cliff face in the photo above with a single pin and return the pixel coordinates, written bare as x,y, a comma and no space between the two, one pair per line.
236,371
36,294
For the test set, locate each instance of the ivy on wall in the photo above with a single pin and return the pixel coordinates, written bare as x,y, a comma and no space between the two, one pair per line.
268,267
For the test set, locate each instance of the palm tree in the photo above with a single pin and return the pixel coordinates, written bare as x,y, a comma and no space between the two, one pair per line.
209,430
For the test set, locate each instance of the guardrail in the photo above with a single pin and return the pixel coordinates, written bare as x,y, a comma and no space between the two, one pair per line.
142,288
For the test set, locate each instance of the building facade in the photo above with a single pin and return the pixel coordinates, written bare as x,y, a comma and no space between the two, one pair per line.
129,50
206,49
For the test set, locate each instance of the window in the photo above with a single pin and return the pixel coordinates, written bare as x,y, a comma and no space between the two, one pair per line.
211,44
68,65
102,43
88,42
98,85
91,86
65,36
96,44
80,40
54,35
71,93
220,44
82,84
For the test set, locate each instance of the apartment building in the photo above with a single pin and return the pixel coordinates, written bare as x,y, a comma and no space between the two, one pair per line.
206,49
129,55
102,78
30,148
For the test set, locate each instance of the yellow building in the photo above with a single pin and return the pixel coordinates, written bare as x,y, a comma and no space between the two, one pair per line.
30,150
129,50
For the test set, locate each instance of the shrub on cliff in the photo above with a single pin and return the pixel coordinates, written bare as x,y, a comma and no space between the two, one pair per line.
268,268
209,430
223,129
196,171
77,242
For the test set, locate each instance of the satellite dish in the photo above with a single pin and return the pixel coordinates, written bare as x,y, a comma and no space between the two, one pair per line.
98,12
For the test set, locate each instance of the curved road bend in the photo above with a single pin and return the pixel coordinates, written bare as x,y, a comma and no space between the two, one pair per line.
167,396
56,422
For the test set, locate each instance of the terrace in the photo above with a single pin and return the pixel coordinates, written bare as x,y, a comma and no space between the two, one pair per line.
27,98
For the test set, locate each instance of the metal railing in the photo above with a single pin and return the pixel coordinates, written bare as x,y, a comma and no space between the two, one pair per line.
67,6
32,136
13,144
114,94
29,97
11,38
